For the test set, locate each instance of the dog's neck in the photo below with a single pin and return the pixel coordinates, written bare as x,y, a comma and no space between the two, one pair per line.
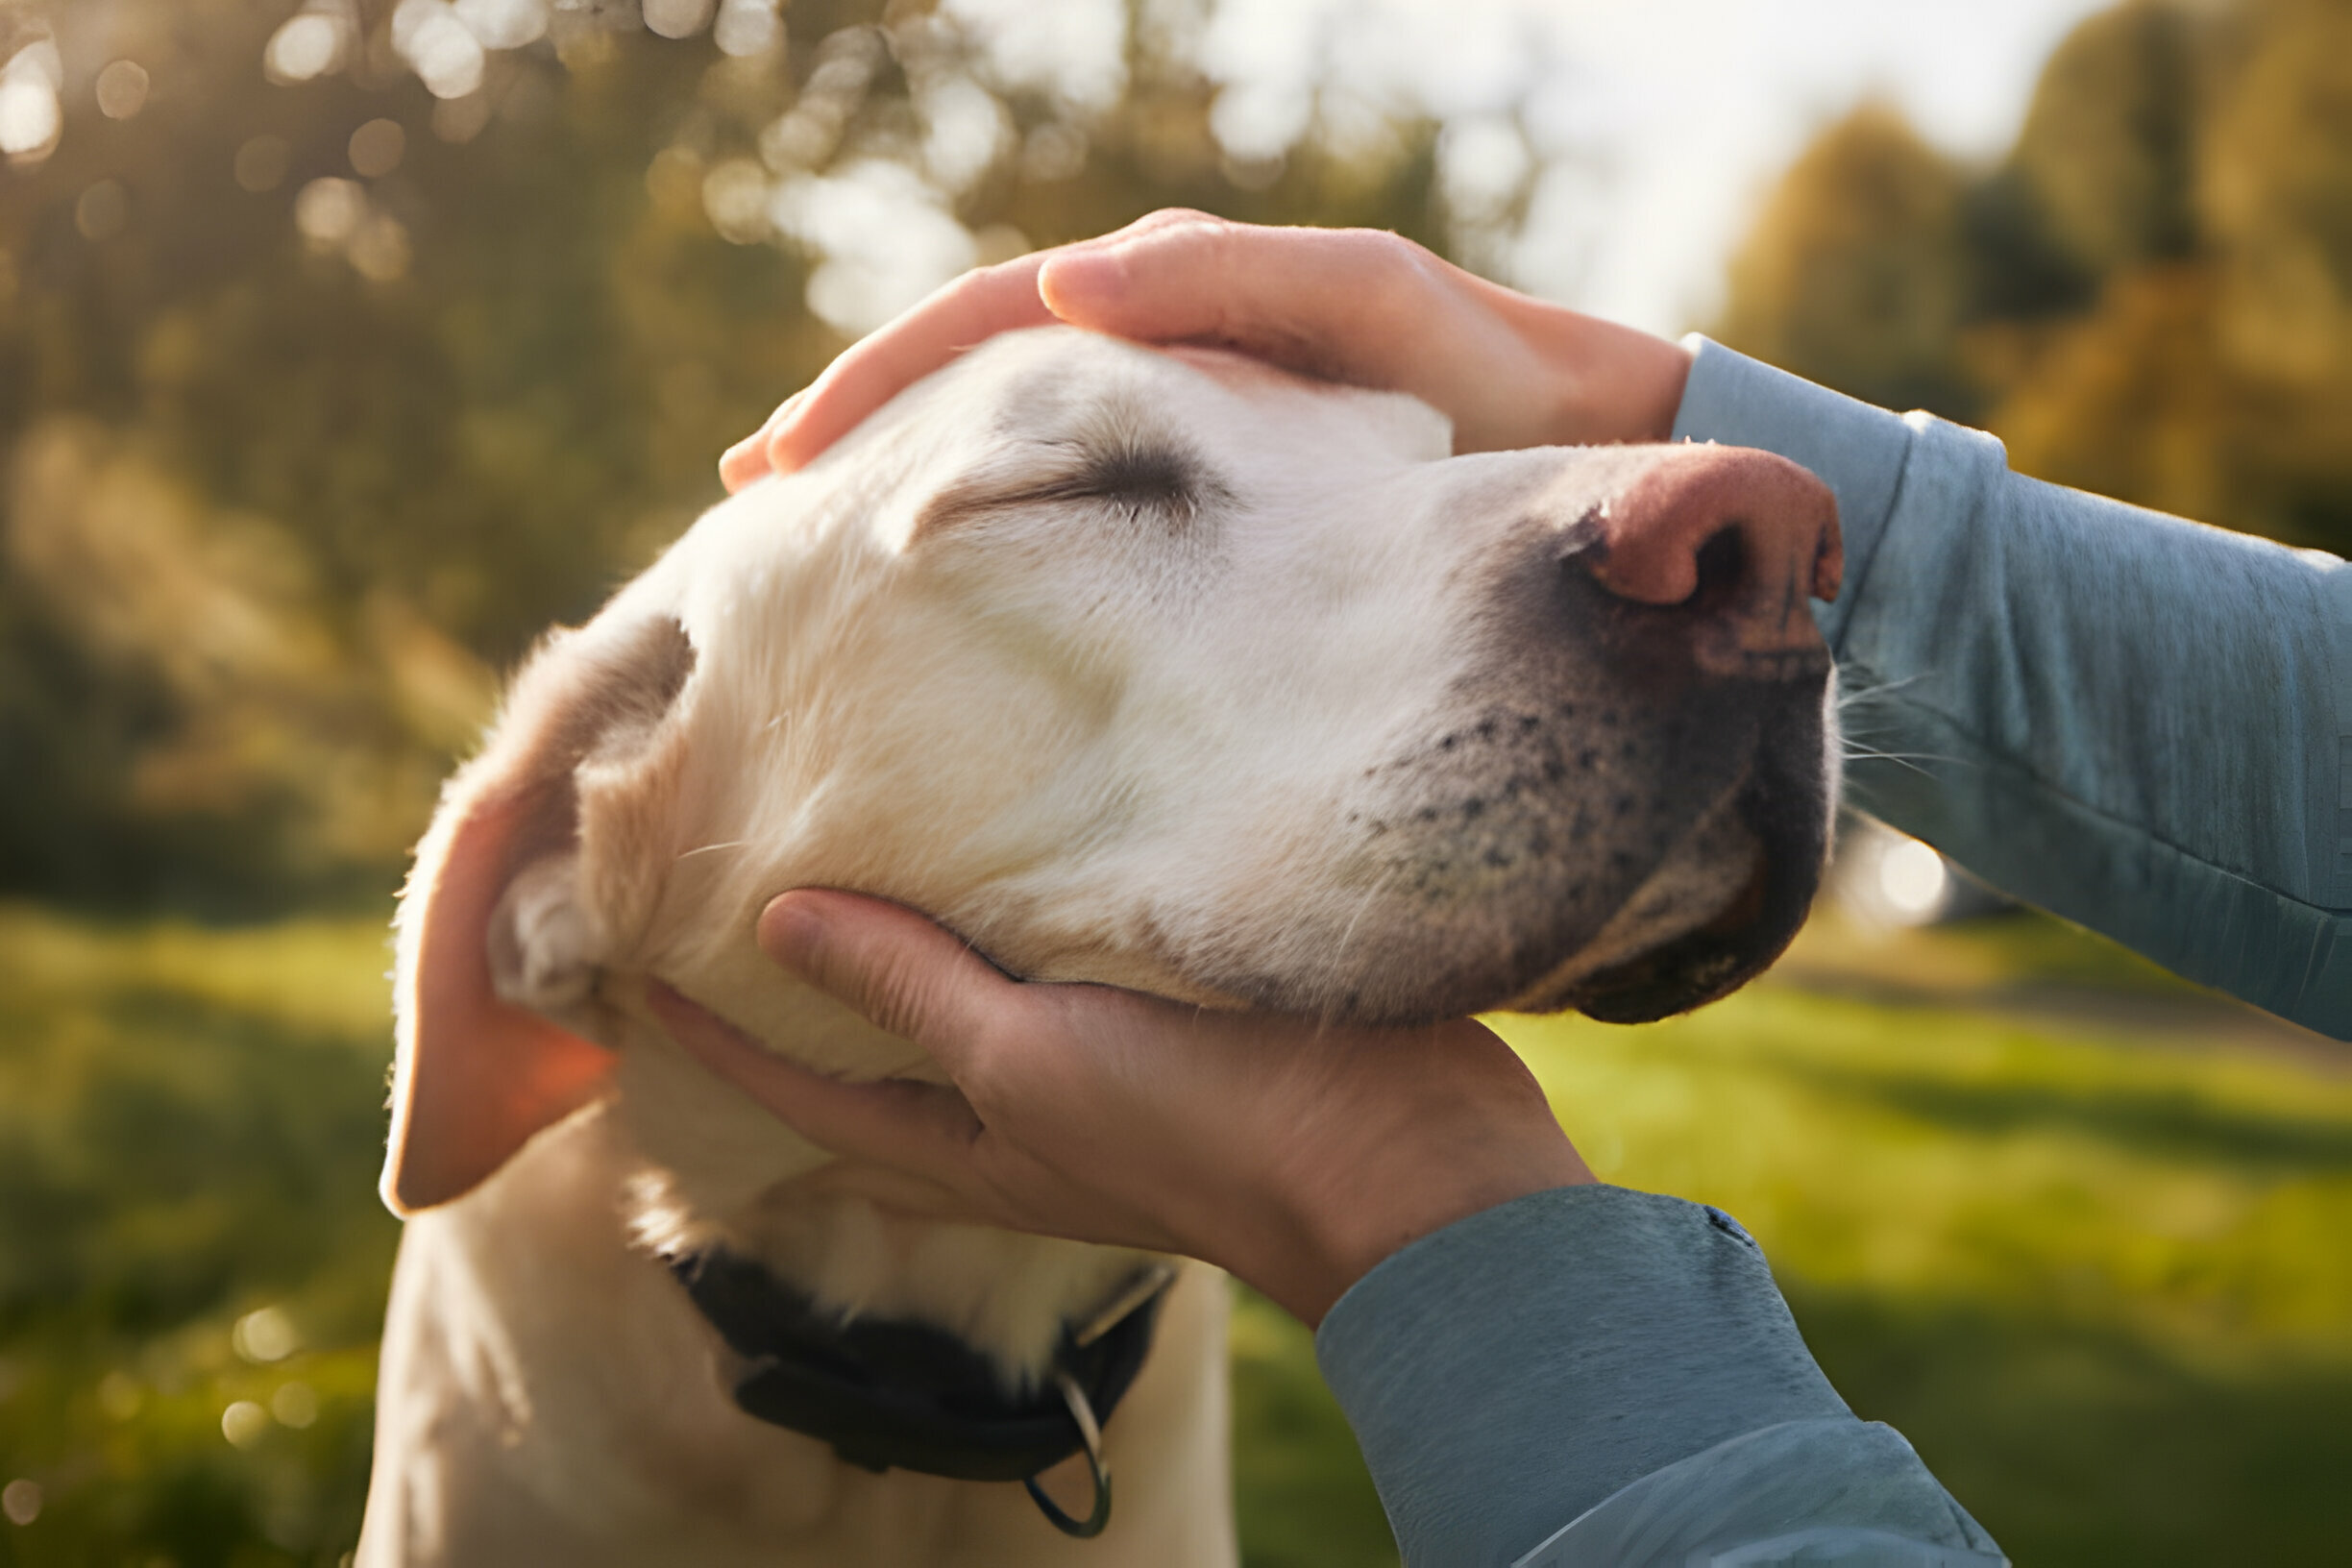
713,1171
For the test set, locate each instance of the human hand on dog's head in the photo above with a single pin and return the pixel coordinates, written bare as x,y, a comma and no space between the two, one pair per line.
1358,305
1295,1155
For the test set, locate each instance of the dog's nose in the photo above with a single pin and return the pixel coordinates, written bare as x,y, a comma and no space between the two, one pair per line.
1739,538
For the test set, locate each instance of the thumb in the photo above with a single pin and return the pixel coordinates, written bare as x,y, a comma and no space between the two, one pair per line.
896,970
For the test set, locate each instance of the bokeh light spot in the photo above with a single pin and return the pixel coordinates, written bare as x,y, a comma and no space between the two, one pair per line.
735,194
1912,881
1482,163
261,163
677,18
266,1334
447,55
459,120
329,212
30,117
21,1501
380,251
244,1424
377,147
308,45
122,89
748,27
295,1404
882,236
504,24
101,210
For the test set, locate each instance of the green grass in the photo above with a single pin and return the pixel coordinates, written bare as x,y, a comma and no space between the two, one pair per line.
189,1127
2095,1271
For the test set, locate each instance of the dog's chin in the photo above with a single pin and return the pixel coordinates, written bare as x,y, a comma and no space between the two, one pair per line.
1701,966
1780,820
1678,970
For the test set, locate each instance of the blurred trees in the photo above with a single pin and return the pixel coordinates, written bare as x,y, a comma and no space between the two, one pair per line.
2150,296
343,347
1857,277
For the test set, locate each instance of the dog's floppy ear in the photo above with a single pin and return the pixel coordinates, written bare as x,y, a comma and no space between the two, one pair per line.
496,942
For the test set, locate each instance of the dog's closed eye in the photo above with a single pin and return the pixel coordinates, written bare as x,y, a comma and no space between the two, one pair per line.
1155,474
1162,479
1145,480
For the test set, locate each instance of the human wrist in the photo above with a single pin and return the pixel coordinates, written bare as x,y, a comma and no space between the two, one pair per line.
1353,1224
1609,383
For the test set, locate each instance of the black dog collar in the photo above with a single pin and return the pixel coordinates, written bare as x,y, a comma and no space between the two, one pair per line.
890,1393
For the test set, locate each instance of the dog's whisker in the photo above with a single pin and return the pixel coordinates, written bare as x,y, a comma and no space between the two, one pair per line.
1852,696
709,848
1903,757
1857,752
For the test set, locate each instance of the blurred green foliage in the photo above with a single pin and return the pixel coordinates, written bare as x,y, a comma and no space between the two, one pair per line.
322,398
189,1126
2150,296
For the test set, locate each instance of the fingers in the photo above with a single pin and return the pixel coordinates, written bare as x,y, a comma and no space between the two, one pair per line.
921,1128
1354,305
895,967
973,308
1306,298
747,459
1358,306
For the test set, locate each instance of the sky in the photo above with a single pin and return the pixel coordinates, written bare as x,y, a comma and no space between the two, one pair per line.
1663,122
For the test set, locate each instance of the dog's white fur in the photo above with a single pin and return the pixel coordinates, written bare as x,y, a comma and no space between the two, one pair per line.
1157,669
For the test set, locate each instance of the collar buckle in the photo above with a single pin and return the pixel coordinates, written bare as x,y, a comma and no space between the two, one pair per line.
1090,1431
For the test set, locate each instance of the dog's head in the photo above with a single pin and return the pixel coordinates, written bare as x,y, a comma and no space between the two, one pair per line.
1163,670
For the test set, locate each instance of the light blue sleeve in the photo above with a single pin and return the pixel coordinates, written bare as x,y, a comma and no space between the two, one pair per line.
2140,724
1598,1376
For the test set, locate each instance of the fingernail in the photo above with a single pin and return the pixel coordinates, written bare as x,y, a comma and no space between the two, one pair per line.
791,930
1082,277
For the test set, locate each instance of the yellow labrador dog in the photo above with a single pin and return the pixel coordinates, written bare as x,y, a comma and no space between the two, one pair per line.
1156,669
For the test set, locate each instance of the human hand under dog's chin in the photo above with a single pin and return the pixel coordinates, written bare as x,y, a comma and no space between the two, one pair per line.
1358,305
1293,1155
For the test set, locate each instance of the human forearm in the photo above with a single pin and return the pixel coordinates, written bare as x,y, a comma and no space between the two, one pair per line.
2127,719
1555,1369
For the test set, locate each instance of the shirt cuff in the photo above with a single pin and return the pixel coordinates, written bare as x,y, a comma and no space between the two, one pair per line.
1512,1370
1856,450
1803,1492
